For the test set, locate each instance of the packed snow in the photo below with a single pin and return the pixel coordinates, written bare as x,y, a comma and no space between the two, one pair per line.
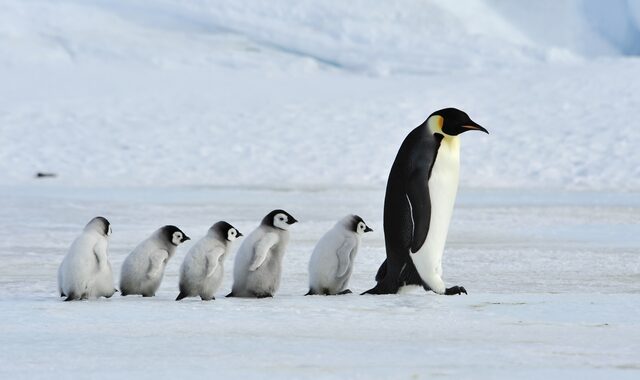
186,113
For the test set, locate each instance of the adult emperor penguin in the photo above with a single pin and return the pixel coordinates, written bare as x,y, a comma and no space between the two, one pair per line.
332,259
418,204
143,269
258,263
85,272
203,267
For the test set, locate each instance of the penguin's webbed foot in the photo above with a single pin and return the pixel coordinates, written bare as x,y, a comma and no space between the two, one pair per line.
346,291
455,290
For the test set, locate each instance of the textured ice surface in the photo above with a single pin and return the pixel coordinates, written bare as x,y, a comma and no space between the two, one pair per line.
553,282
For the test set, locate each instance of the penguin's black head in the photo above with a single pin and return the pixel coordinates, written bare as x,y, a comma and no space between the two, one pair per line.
452,122
358,225
226,231
101,224
278,219
173,235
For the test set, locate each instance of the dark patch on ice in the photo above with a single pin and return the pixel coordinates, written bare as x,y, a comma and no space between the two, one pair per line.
45,175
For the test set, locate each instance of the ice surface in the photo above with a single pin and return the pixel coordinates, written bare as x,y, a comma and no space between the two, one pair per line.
157,112
552,278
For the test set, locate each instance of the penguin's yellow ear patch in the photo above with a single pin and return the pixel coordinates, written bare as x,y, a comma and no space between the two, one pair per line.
435,123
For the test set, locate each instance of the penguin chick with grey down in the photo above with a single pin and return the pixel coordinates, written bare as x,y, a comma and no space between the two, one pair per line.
203,267
258,263
143,269
85,272
332,259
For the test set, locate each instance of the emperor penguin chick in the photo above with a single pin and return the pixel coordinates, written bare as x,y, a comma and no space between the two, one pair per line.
332,259
203,267
85,272
258,263
143,269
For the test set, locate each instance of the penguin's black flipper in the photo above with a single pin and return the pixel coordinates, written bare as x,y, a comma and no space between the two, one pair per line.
420,202
181,296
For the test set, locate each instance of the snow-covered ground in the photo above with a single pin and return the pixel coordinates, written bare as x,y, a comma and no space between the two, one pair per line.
553,284
158,112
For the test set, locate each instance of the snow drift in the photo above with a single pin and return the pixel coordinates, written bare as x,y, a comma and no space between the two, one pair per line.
311,94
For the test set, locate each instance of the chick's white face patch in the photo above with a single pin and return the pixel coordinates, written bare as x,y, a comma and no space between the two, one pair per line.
232,234
280,221
177,238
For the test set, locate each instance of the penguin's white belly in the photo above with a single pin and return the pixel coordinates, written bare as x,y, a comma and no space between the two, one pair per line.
443,186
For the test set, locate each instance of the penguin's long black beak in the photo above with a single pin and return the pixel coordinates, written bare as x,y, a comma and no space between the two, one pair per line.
239,234
368,229
185,238
292,220
473,126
